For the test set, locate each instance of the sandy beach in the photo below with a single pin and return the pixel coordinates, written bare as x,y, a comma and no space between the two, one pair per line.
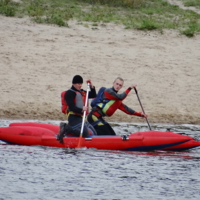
37,63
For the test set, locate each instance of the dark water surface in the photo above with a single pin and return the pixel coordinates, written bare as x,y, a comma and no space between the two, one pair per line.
55,173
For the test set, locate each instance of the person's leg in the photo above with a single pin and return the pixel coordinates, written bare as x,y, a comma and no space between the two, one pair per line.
93,120
100,125
90,128
111,131
61,132
75,122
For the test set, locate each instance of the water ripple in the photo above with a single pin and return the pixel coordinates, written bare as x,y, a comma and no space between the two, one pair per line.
54,173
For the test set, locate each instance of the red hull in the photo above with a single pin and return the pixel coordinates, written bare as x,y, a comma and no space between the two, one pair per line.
184,146
45,135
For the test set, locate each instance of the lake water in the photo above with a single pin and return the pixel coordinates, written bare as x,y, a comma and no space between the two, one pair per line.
43,173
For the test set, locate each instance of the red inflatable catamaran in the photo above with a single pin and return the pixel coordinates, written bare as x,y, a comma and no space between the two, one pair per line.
30,133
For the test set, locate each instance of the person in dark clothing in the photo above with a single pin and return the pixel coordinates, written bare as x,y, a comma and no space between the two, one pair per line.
75,100
110,103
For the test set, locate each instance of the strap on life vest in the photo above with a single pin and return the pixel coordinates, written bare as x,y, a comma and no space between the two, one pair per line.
101,120
73,113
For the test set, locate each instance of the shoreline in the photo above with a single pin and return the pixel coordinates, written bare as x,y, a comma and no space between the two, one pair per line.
141,124
116,118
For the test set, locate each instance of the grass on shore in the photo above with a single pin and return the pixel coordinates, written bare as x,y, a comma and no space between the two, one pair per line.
193,3
133,14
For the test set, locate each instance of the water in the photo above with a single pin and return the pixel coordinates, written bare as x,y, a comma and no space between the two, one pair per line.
55,173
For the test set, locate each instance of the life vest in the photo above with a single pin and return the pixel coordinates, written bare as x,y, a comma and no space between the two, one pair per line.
79,101
99,101
64,106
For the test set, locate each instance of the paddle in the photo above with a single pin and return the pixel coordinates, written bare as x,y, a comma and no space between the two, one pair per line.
142,107
84,114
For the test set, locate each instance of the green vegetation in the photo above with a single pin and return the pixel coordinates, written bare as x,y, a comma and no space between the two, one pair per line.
133,14
194,3
8,8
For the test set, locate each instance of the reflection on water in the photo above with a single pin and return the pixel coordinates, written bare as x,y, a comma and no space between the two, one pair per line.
54,173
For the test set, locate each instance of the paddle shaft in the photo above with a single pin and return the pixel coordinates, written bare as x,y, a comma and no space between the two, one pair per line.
142,108
84,114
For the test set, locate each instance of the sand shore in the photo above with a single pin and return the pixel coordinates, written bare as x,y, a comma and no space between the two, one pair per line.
37,63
